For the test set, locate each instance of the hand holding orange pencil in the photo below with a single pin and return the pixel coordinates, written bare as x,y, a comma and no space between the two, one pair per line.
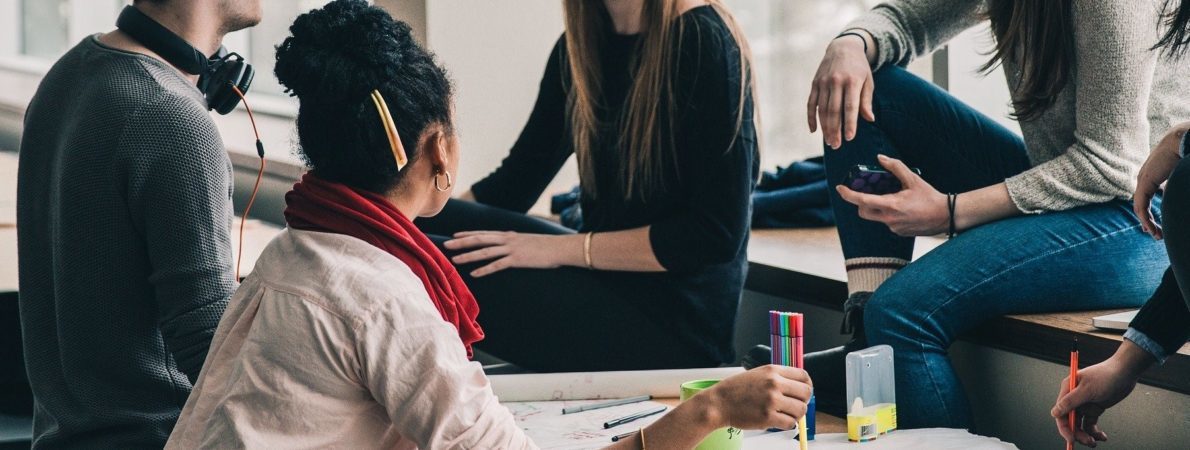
1093,390
1073,384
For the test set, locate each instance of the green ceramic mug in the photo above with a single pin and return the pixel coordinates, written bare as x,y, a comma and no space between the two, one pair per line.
728,438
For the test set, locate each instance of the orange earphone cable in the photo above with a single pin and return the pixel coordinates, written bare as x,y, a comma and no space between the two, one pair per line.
259,176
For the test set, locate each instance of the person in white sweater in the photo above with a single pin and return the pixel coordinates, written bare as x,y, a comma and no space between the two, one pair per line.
354,330
1040,221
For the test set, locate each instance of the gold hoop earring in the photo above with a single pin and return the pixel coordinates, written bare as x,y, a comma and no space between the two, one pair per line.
449,182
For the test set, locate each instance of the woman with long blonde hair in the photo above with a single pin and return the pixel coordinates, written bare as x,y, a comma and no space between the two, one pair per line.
655,100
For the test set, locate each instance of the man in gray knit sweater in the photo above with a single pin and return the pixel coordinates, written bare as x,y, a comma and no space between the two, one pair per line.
123,224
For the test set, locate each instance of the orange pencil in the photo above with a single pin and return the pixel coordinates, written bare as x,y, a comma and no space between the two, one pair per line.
1073,384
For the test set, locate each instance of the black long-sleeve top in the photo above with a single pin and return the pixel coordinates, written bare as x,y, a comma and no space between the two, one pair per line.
1163,324
1164,320
700,220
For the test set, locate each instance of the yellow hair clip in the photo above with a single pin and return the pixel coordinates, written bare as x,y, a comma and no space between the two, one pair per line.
390,128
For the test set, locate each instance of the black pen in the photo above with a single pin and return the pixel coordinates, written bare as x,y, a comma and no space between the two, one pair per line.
639,415
617,438
623,401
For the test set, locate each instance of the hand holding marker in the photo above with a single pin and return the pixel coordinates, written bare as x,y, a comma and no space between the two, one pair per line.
785,336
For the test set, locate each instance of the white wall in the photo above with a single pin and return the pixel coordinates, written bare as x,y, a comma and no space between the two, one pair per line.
496,50
9,20
988,94
788,39
412,12
496,53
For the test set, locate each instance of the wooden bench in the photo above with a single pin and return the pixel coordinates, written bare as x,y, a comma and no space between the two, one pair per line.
807,265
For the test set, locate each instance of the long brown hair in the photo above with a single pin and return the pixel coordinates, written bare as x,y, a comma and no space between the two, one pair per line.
641,130
1037,35
1176,40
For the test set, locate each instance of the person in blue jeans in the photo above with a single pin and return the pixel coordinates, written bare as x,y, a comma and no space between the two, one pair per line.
1039,223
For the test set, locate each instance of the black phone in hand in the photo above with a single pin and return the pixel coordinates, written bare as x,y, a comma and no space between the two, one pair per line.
873,180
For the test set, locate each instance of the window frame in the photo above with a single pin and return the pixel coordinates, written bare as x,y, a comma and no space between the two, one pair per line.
14,60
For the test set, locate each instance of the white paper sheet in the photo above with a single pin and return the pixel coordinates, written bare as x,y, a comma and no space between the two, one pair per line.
597,385
550,429
928,438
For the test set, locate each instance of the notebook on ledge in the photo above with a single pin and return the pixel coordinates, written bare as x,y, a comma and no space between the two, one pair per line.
1114,322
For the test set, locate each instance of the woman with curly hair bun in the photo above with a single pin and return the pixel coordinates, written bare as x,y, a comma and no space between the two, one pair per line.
354,330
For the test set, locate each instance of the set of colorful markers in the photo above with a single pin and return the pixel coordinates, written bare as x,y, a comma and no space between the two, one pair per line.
785,338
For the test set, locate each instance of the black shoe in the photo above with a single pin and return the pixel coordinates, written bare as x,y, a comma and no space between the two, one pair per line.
828,367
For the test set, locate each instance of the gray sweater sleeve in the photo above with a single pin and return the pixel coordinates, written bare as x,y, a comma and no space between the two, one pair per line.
1115,69
1111,87
908,29
178,196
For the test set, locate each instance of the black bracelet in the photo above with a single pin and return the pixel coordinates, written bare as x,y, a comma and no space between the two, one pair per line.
951,201
852,33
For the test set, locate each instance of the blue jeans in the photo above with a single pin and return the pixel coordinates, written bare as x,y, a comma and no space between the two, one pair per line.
1091,257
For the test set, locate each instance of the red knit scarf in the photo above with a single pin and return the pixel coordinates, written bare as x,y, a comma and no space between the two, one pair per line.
315,204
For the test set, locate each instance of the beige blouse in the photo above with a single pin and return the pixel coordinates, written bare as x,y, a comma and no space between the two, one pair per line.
333,343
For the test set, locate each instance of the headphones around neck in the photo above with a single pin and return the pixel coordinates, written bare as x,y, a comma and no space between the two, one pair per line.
223,78
216,74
